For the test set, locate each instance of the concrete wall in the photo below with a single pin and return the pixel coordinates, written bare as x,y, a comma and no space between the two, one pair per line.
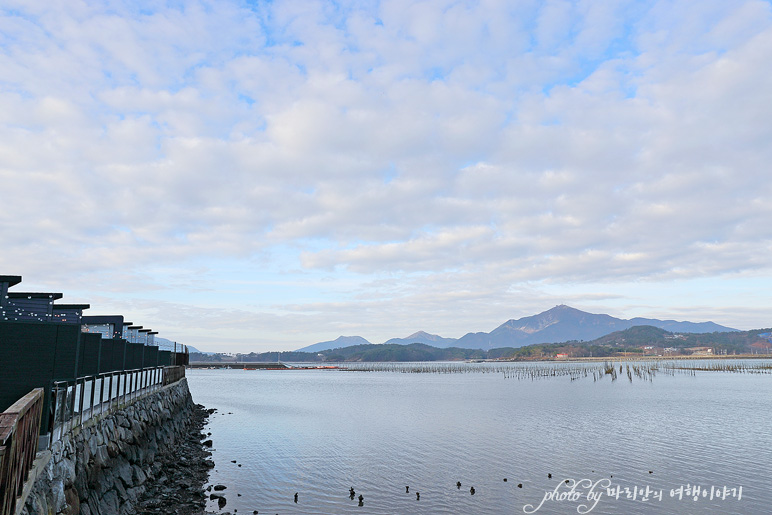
101,468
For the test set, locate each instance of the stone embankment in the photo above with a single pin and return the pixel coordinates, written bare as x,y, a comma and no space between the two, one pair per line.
145,458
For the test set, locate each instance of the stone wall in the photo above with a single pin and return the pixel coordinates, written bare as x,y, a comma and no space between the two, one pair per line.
102,468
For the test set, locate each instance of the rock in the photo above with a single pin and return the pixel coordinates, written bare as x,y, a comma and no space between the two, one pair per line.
124,472
73,502
58,499
112,450
65,470
138,476
110,502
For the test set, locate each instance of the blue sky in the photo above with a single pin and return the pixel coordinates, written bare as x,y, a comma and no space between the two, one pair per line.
265,175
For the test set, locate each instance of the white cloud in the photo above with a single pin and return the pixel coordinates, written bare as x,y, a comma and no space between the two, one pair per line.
459,152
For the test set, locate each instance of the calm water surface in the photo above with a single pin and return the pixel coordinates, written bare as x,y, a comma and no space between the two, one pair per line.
320,432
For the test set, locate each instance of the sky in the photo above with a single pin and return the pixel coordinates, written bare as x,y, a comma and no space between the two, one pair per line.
251,175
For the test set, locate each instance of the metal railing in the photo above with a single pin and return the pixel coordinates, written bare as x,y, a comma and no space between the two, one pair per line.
75,402
19,428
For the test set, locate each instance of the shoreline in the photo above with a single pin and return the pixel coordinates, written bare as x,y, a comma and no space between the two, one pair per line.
632,358
180,473
341,365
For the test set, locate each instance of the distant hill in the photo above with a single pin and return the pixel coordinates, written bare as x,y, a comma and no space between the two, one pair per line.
559,324
363,352
682,327
628,342
423,337
340,341
166,344
642,340
192,349
563,323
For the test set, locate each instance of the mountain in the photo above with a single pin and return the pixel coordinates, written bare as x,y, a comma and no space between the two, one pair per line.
559,324
423,337
631,341
682,327
340,341
563,323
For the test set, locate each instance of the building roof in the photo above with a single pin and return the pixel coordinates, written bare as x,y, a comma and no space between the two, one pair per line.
10,279
103,319
34,295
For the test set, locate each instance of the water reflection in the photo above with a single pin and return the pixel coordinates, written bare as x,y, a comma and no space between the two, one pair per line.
324,433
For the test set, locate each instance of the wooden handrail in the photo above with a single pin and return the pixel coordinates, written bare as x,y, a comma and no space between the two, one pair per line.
19,429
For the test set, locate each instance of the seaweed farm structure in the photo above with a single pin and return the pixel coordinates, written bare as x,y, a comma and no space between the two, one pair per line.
640,370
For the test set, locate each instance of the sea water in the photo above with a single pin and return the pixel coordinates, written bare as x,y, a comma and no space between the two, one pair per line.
677,444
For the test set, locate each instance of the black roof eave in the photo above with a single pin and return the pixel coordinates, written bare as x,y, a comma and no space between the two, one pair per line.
34,295
12,280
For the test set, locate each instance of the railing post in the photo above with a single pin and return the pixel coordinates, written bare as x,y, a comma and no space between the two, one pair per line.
80,401
110,392
71,403
131,386
121,386
93,388
63,408
52,410
102,383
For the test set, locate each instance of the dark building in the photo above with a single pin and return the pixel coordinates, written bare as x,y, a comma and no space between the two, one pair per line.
42,342
109,326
